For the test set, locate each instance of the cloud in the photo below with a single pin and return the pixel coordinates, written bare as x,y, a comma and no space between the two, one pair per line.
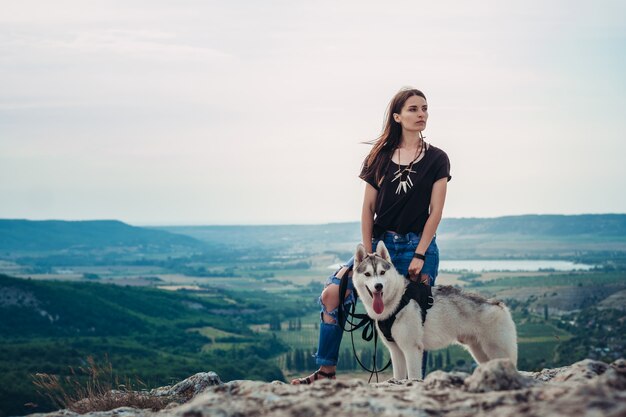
214,111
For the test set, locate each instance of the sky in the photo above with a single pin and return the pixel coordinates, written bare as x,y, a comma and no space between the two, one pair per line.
254,112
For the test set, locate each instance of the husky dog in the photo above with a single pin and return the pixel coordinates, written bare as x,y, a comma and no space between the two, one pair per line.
484,327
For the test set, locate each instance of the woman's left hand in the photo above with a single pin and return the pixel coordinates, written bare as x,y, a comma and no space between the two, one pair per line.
415,267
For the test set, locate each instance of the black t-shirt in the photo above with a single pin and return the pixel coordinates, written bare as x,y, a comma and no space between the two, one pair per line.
407,211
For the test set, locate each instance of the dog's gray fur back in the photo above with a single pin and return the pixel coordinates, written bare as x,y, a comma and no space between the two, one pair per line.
450,291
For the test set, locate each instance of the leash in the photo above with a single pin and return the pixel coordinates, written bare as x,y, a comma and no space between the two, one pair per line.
369,331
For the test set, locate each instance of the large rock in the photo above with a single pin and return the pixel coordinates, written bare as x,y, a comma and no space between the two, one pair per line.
190,387
615,375
445,380
580,371
497,375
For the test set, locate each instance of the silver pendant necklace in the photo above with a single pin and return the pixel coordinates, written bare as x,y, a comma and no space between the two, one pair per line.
404,174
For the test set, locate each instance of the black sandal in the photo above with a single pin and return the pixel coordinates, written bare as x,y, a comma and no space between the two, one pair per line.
319,374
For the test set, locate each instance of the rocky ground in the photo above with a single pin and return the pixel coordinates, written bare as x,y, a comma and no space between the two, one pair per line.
586,388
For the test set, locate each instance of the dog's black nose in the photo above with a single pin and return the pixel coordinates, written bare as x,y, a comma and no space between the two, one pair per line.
378,287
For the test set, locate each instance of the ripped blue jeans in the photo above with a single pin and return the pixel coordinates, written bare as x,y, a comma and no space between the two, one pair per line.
401,249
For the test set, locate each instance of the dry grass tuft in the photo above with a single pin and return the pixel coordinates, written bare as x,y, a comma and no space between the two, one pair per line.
95,388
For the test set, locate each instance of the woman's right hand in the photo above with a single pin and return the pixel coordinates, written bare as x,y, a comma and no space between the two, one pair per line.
415,268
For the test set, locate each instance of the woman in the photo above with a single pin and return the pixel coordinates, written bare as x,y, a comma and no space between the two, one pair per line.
403,204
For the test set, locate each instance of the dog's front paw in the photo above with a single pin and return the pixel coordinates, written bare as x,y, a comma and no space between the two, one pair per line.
394,381
413,381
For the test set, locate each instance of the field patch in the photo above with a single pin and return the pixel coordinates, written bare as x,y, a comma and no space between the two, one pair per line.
214,334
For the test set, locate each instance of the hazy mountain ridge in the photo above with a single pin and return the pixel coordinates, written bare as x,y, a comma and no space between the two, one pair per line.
31,235
590,238
282,237
609,225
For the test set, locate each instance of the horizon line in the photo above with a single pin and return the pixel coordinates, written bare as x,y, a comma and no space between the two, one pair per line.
175,224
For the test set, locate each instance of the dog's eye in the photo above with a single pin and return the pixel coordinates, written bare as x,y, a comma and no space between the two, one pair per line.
367,274
382,272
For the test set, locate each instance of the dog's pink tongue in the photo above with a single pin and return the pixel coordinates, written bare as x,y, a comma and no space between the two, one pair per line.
378,303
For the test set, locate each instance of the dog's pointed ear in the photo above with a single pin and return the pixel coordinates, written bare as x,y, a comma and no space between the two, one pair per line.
381,250
360,254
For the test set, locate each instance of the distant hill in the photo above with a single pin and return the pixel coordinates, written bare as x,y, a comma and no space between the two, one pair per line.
613,225
598,225
606,232
29,235
590,238
34,308
144,332
296,236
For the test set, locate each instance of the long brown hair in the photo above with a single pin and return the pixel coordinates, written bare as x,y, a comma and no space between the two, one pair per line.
383,146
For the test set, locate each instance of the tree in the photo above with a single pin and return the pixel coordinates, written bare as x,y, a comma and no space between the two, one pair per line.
439,361
310,360
275,324
379,359
348,360
366,358
342,363
298,359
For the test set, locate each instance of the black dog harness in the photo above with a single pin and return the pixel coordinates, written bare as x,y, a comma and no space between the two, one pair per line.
417,291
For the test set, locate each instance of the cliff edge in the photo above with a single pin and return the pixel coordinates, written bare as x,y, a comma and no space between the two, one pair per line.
586,388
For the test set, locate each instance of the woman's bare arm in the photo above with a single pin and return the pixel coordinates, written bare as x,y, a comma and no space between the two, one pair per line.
367,216
437,200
